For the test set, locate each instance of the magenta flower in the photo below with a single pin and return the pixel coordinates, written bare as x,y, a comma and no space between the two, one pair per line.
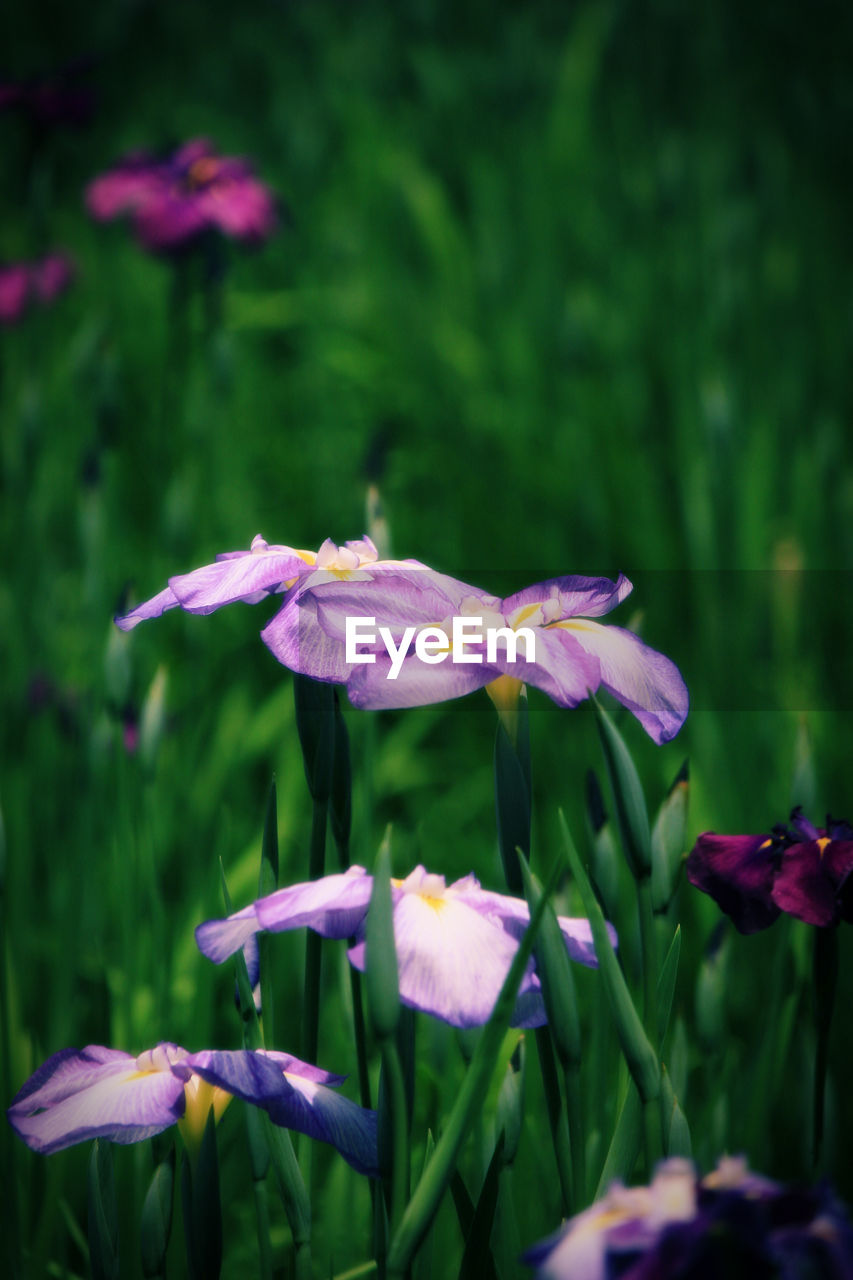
800,869
731,1222
14,291
176,200
546,635
455,943
24,282
104,1093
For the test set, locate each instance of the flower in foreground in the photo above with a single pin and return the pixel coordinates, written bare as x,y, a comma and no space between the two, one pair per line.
175,200
98,1092
799,869
455,943
24,282
731,1222
574,653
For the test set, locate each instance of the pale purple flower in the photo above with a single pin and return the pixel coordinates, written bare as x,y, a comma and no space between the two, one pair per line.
682,1226
455,943
177,199
574,653
96,1092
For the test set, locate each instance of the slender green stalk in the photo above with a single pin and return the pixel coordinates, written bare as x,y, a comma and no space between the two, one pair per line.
574,1109
399,1130
648,951
557,1121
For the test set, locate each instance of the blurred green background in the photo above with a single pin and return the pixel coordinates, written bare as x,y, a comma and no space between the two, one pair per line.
571,283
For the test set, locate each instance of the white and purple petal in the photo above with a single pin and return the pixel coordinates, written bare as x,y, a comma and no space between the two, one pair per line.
452,961
513,915
334,907
643,680
94,1093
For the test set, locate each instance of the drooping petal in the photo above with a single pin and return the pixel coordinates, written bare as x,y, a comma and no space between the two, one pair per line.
334,907
296,639
562,668
452,962
324,1114
738,872
219,939
230,578
94,1093
289,1092
643,680
153,608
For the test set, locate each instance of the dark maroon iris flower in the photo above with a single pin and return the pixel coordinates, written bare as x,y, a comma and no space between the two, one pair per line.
799,869
176,200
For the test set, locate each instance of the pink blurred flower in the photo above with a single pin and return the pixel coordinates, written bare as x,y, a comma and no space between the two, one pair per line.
24,282
175,200
14,291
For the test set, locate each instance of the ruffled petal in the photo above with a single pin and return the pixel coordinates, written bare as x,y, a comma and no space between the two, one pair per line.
738,873
562,667
237,577
575,595
294,1098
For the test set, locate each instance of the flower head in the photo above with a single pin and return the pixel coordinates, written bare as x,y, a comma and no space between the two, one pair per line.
104,1093
730,1222
24,282
177,199
455,943
799,869
546,635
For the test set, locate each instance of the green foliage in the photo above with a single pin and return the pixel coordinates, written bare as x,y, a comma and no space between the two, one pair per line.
570,285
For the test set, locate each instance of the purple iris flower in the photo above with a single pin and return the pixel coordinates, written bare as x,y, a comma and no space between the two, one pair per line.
455,943
97,1092
323,591
681,1226
799,869
24,282
574,654
176,200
